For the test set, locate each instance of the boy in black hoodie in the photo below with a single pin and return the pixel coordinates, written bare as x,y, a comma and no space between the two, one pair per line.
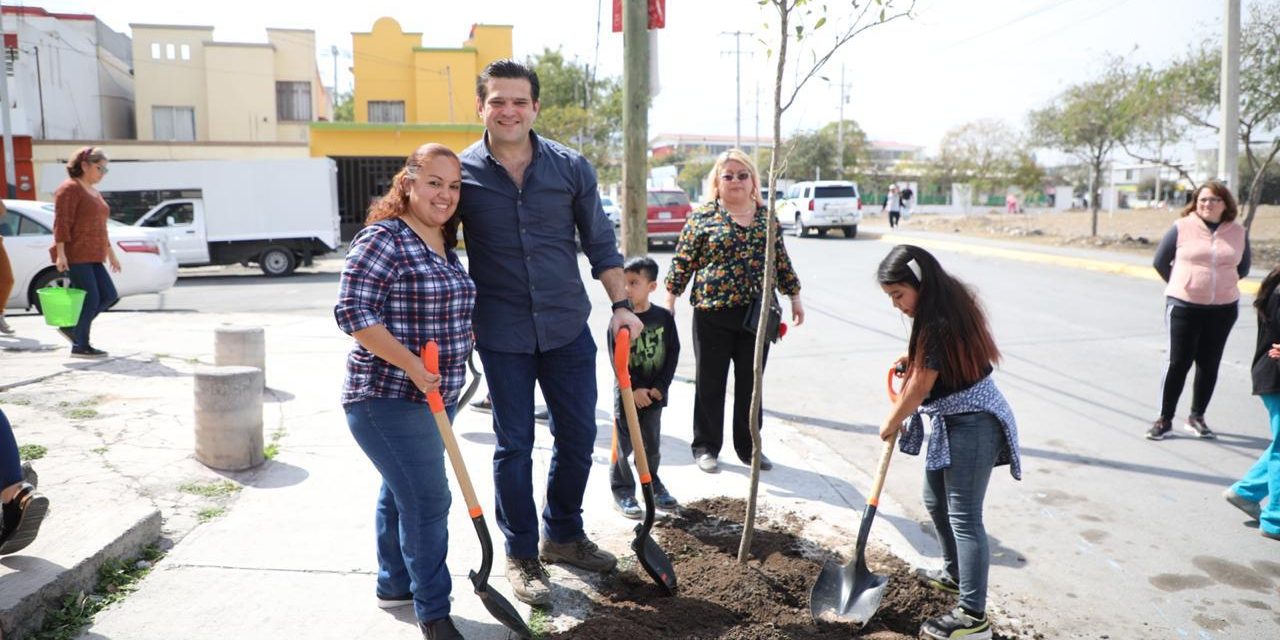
652,365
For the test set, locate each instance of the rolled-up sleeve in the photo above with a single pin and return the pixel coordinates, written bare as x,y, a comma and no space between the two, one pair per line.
366,280
788,281
594,229
688,256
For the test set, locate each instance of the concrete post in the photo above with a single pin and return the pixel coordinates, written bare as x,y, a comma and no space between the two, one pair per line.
236,346
228,408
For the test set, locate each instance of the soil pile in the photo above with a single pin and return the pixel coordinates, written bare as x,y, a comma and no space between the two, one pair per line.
765,599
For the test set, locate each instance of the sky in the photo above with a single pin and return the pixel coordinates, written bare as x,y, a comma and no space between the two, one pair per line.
911,80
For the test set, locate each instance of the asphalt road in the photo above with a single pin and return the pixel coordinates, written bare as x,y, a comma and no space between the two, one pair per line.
1108,534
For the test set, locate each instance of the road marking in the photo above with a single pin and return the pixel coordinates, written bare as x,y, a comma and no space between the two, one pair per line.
1248,287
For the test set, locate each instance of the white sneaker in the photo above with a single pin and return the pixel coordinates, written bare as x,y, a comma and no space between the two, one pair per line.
5,328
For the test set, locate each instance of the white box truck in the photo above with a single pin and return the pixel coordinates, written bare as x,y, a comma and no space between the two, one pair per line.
275,213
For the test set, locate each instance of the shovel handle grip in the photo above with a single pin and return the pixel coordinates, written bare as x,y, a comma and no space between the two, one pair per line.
431,360
882,470
621,357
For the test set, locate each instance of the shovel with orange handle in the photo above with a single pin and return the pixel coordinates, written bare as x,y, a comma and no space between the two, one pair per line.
497,605
851,593
652,558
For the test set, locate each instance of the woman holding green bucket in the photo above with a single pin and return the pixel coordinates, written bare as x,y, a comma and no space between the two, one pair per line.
81,245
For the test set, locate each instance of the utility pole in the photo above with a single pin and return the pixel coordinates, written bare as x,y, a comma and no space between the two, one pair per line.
840,127
635,125
1228,140
333,50
10,174
737,80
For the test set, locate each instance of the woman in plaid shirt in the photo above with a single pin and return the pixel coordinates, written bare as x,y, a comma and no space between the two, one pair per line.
402,286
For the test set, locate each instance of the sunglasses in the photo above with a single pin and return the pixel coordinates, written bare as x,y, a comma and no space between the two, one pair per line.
742,176
103,168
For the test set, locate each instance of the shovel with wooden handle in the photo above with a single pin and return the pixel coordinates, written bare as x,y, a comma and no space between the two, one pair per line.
652,558
498,606
851,593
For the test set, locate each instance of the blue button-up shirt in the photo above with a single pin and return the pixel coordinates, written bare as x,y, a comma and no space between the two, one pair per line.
520,246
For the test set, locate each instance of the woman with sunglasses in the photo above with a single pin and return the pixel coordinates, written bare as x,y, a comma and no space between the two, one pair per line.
81,246
722,250
1202,257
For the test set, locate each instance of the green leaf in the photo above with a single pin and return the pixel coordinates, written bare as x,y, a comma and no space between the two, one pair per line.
821,21
799,31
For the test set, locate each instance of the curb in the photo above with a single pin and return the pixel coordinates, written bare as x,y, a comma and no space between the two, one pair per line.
38,584
1247,286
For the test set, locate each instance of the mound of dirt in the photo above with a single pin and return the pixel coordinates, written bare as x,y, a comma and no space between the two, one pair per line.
765,599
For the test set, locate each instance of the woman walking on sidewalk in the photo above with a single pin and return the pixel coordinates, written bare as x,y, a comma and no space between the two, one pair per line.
1262,482
947,371
81,244
1202,257
403,286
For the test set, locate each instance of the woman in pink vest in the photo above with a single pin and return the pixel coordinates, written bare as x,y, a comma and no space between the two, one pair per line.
1202,257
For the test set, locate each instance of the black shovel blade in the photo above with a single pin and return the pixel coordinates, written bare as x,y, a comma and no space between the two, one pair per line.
850,592
651,556
500,608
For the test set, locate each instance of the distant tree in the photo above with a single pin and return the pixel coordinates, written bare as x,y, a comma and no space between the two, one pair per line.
693,173
814,154
1087,120
345,111
581,111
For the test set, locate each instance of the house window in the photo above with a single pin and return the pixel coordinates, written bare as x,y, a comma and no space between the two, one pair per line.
386,111
173,123
185,51
155,50
169,51
293,101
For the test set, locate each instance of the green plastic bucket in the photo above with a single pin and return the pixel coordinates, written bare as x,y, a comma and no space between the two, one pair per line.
61,305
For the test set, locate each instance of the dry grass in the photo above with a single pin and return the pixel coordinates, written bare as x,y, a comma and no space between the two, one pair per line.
1132,230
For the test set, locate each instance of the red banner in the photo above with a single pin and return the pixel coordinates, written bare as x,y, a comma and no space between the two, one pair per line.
657,14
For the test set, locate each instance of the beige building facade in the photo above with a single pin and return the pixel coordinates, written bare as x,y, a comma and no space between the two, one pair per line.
189,87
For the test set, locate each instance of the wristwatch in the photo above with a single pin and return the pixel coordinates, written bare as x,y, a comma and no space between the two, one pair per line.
624,303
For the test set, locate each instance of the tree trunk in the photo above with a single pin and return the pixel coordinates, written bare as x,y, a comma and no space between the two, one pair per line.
1095,197
1259,177
766,290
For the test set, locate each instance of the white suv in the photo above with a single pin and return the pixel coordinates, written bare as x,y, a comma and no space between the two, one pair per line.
822,205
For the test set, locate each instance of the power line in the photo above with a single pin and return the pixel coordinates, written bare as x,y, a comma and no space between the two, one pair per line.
1005,25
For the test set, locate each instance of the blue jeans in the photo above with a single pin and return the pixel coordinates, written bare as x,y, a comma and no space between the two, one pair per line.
1262,482
411,519
99,293
567,376
10,464
954,498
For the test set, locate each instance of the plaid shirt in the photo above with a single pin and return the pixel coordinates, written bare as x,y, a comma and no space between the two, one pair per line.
391,278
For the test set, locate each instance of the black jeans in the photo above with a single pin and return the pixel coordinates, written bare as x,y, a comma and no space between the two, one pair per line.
621,480
1196,335
894,216
718,339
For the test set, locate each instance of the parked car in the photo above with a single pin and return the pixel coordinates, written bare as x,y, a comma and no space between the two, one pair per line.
777,196
146,264
668,210
822,205
612,210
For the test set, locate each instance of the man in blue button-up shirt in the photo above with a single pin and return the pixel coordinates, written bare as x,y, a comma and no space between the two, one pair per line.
523,197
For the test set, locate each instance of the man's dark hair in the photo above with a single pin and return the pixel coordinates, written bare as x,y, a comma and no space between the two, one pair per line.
506,68
644,265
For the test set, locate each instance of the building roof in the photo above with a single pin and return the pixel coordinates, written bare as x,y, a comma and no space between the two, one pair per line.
192,27
41,13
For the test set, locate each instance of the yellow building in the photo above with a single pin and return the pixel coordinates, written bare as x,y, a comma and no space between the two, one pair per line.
405,95
189,87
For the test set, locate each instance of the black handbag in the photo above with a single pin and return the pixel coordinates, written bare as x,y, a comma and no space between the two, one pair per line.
752,319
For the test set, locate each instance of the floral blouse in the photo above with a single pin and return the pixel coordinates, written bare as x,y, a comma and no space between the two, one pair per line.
725,260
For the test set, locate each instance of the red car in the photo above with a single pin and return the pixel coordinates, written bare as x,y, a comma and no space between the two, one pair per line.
668,211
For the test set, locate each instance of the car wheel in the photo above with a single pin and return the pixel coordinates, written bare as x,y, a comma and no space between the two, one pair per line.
47,278
799,227
277,261
851,231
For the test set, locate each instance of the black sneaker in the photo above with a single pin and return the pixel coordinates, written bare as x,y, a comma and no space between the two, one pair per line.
29,474
628,507
1196,425
441,629
1159,429
87,352
483,405
22,516
957,625
393,602
938,579
663,500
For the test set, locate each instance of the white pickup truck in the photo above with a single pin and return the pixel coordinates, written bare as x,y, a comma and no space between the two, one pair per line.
822,205
273,213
